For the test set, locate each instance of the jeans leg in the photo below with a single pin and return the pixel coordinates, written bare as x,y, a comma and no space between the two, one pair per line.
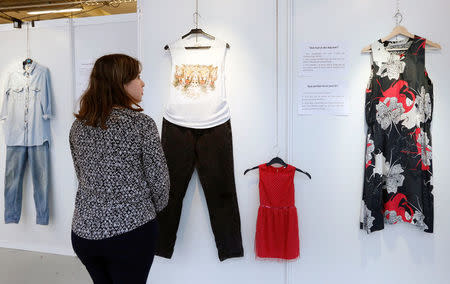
216,172
39,163
178,146
16,157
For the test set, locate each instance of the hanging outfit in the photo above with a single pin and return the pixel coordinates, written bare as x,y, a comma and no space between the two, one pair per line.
277,224
196,132
27,110
398,167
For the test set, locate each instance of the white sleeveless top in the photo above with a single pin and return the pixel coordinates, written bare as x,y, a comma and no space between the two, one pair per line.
197,97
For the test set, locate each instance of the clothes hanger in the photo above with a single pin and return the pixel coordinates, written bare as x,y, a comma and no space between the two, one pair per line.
196,31
400,30
278,160
27,62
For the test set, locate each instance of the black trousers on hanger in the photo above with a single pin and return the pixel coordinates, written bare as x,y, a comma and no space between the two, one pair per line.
211,152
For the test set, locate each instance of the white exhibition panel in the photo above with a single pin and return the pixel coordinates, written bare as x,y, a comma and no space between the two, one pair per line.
50,47
331,148
58,45
249,27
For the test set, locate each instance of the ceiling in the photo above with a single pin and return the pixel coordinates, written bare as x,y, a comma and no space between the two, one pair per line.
18,9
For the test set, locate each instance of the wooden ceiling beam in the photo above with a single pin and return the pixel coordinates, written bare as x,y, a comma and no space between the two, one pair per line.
37,6
89,10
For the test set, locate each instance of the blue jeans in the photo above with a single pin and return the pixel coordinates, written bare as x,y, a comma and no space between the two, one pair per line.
16,159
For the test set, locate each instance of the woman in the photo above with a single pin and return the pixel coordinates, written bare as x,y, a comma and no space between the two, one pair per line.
123,181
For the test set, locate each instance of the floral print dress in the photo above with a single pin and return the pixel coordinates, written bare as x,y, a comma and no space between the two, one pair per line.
398,168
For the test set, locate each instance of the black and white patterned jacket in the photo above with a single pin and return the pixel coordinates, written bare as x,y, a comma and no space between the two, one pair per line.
123,180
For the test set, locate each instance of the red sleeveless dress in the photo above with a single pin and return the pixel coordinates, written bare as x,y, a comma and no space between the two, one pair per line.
277,224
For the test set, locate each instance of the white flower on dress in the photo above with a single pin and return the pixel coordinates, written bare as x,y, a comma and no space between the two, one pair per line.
393,177
386,115
421,111
423,104
418,220
391,174
391,217
393,68
425,152
366,217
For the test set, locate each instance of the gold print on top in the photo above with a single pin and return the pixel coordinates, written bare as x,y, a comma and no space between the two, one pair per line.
195,80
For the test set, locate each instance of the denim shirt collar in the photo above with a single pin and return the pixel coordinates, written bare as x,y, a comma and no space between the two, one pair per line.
30,71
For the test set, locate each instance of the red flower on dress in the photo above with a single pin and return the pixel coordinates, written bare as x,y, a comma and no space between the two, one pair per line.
399,207
400,90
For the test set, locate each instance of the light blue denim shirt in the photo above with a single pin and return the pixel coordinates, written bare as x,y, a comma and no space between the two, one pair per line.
27,106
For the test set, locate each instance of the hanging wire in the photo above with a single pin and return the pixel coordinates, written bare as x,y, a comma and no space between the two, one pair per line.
28,39
196,15
277,149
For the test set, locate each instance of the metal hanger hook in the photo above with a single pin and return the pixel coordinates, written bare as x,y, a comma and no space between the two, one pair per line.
398,18
196,15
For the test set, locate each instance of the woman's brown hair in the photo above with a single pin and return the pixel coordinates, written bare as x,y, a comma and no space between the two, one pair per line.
106,89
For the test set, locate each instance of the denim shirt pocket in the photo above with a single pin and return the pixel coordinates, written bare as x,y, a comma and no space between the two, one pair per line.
16,92
35,92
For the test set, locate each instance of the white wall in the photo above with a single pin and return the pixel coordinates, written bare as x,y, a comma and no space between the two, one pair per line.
331,148
98,36
57,44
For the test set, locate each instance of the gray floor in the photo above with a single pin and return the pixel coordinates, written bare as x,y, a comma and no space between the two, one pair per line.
24,267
